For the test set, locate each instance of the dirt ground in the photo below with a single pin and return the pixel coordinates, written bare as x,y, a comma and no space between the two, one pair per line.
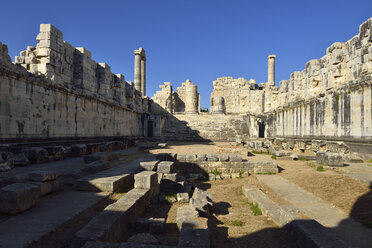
352,196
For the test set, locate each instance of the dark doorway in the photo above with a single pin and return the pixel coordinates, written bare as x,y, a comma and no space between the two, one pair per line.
261,129
150,129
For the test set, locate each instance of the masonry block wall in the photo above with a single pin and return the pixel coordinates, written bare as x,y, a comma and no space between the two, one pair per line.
331,97
57,90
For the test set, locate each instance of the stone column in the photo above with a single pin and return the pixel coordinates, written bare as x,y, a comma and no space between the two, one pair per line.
137,70
271,69
218,105
192,96
143,75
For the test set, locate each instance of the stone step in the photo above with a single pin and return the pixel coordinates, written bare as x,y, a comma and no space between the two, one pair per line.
345,228
46,217
105,183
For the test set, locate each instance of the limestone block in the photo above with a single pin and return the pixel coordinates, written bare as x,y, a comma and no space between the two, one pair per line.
42,176
202,201
58,152
170,176
330,159
18,197
201,157
212,157
181,157
146,180
235,158
190,157
49,186
78,150
152,225
223,157
6,165
36,154
166,167
162,145
19,60
183,197
337,147
149,165
184,213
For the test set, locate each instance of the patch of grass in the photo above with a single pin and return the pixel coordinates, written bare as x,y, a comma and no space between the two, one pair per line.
170,198
311,164
302,159
255,209
237,223
256,152
216,172
320,168
369,164
240,174
273,156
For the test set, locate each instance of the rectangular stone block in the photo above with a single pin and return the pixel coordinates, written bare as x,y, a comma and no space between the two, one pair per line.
42,176
149,165
101,183
330,159
146,180
18,197
166,167
223,157
181,157
235,158
201,157
171,176
212,157
190,157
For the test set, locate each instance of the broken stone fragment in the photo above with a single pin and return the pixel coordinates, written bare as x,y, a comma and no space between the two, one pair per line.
330,159
183,197
149,165
42,176
166,167
18,197
36,154
21,160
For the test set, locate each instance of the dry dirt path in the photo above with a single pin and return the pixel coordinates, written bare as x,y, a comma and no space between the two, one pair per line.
346,228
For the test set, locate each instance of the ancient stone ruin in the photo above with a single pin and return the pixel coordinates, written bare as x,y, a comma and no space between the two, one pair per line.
86,157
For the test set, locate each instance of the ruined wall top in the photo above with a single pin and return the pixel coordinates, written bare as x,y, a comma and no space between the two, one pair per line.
73,68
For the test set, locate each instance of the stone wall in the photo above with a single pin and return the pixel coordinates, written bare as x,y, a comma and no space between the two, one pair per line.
207,126
56,90
331,97
239,95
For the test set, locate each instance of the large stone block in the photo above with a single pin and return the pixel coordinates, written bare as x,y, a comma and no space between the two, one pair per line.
330,159
235,158
36,154
42,176
149,165
337,147
103,183
166,167
78,150
96,166
18,197
146,180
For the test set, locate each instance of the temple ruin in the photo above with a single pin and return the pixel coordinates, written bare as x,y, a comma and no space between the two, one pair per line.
57,103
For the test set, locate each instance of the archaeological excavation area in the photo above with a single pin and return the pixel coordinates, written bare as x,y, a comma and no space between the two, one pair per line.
88,160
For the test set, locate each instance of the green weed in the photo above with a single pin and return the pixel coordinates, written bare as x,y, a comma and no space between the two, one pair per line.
320,168
237,223
255,209
273,156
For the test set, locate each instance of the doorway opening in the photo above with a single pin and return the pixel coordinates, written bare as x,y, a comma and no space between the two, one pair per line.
261,129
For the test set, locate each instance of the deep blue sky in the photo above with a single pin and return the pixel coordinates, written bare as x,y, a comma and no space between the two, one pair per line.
199,40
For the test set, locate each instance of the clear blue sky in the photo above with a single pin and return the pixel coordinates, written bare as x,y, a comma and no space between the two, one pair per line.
199,40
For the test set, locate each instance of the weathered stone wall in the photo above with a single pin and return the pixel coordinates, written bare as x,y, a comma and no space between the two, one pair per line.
207,126
332,97
56,90
186,99
240,96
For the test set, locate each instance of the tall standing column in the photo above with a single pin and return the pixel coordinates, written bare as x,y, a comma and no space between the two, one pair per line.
143,75
271,69
137,70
